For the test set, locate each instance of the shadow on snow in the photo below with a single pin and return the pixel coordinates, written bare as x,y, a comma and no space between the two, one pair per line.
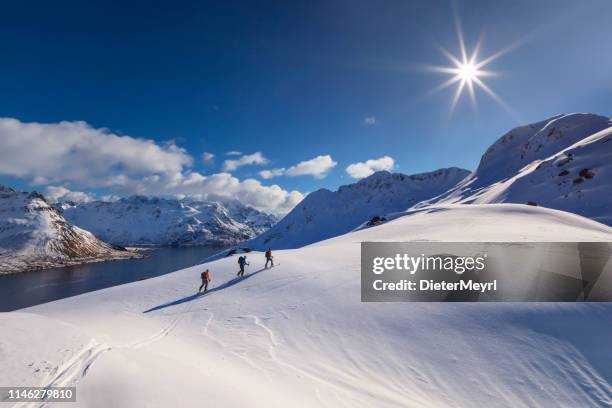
189,298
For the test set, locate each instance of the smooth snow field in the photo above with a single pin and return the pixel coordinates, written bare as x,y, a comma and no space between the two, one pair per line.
298,335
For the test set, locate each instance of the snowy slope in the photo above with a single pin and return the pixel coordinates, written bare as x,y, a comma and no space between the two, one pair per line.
522,145
562,163
140,220
324,214
34,236
297,335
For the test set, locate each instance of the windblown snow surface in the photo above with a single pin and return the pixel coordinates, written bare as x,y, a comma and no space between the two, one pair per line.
297,335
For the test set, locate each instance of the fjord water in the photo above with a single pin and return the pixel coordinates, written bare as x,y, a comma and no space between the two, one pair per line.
26,289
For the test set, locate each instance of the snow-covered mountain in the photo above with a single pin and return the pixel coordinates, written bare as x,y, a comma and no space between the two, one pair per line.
297,335
140,220
564,162
324,214
33,235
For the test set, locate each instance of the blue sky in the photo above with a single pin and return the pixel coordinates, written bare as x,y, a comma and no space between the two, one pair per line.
291,80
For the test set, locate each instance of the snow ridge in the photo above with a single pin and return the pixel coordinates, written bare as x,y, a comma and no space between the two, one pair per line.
563,163
324,214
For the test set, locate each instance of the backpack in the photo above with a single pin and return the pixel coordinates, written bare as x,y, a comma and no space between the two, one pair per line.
240,260
268,254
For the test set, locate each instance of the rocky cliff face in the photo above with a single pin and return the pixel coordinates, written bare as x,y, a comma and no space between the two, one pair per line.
33,235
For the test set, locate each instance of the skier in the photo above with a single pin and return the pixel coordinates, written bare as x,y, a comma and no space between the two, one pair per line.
269,257
242,261
205,279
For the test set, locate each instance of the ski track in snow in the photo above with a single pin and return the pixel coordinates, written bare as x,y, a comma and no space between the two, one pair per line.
327,355
271,349
69,373
342,384
77,367
342,387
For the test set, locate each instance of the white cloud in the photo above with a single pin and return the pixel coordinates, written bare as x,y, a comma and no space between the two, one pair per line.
208,158
247,159
109,198
318,167
271,173
220,186
84,157
55,194
233,153
75,151
39,180
369,120
224,186
367,168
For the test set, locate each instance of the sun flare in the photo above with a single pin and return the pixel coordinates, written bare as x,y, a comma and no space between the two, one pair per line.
467,71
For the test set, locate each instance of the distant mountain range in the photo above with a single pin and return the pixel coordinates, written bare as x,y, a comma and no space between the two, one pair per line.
564,162
33,235
324,214
140,220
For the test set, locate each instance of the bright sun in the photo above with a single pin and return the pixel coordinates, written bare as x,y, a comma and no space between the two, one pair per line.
467,71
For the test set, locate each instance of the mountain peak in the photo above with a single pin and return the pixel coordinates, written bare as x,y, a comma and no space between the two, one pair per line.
324,214
562,162
33,235
386,179
534,141
6,188
37,195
